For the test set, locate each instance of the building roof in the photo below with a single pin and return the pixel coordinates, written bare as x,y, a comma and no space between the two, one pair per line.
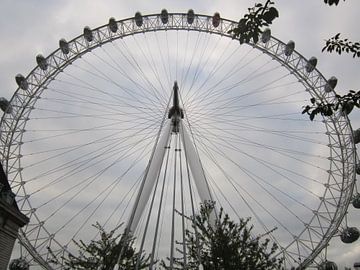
3,180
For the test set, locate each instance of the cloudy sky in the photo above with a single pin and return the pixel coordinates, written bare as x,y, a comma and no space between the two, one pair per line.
29,27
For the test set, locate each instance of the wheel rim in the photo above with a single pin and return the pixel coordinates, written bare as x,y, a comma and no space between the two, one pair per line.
340,176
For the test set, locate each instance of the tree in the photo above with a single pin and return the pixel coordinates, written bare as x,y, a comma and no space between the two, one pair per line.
331,2
104,253
345,103
250,26
225,244
335,44
340,45
19,264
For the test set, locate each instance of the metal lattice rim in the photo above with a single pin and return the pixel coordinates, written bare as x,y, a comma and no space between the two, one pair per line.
339,131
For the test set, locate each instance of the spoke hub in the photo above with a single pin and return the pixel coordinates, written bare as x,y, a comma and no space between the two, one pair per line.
176,113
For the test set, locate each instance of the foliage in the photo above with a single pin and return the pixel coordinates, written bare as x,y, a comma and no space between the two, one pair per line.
331,2
342,45
225,244
250,25
104,253
260,15
19,264
335,44
345,103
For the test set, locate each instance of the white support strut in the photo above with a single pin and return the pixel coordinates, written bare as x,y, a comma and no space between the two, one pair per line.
196,168
149,179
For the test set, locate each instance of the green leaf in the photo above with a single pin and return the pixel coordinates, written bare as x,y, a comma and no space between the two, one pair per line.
306,110
242,25
270,15
255,37
242,39
312,115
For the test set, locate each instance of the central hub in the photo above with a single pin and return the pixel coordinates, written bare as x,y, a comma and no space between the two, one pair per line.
176,113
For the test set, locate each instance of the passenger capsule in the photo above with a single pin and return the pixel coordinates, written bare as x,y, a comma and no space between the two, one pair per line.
190,16
311,64
350,235
164,16
357,136
41,61
5,105
289,48
21,82
64,46
88,35
356,201
330,84
328,265
138,19
266,35
216,19
113,25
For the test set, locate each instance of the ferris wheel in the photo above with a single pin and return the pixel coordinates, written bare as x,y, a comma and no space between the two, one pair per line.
140,120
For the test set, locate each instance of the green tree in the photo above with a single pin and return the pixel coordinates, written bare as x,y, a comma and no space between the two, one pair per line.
104,253
225,244
345,103
338,45
251,26
252,23
331,2
19,264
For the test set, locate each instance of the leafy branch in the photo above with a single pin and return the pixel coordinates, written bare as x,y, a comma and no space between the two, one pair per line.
345,103
250,25
102,253
19,264
225,244
331,2
342,45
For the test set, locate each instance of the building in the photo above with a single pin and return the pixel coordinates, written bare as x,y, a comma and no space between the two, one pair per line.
11,219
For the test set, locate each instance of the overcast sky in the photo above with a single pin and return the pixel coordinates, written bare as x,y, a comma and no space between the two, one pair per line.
29,27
